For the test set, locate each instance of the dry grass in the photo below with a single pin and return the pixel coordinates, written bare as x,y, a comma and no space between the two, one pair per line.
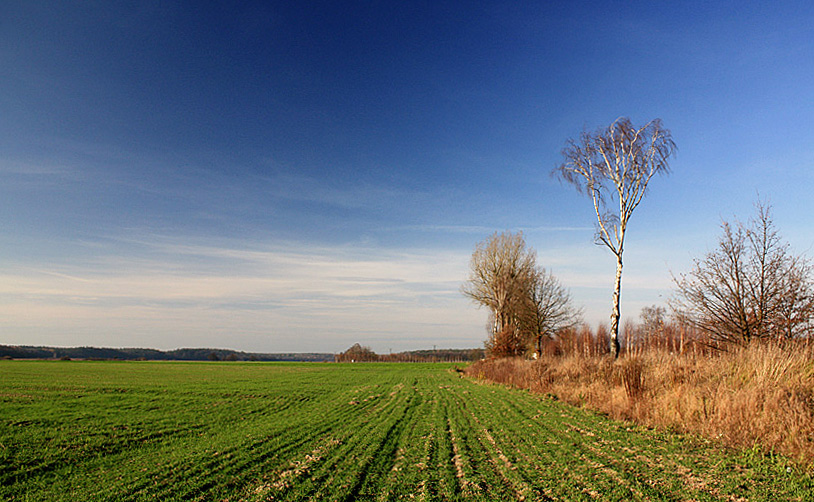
762,395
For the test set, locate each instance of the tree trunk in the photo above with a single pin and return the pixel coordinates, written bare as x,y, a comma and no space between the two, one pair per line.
617,292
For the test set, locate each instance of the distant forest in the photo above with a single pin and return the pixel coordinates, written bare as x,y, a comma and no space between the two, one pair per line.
355,353
130,354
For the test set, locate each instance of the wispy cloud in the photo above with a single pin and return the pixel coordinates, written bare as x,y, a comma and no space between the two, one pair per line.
544,229
330,295
481,230
463,229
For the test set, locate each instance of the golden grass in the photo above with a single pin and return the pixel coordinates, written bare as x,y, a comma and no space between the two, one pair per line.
761,395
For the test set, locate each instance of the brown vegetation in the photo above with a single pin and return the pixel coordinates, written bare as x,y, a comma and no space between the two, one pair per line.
761,395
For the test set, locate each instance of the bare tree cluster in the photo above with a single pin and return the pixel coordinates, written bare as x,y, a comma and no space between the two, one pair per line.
527,303
613,167
750,287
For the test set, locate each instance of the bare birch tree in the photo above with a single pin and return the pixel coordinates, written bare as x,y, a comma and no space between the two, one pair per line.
750,287
613,167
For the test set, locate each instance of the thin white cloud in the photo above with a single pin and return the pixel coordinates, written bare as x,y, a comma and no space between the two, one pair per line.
557,229
484,230
35,170
333,294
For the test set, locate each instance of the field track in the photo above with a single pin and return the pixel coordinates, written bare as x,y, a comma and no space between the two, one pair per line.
123,431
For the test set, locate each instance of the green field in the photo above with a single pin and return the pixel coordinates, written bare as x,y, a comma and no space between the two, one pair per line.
286,431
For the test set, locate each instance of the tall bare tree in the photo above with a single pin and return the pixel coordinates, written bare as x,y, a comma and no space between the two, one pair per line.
750,287
614,166
501,270
549,308
527,303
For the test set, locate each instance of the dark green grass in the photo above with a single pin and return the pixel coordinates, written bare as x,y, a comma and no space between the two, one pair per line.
285,431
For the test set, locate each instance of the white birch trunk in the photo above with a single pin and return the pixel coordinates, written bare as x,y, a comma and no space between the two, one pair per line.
615,314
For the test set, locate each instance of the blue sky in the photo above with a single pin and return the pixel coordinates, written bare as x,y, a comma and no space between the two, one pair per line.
292,176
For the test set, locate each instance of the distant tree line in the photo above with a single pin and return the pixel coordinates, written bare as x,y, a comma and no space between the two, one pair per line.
355,353
358,353
125,354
